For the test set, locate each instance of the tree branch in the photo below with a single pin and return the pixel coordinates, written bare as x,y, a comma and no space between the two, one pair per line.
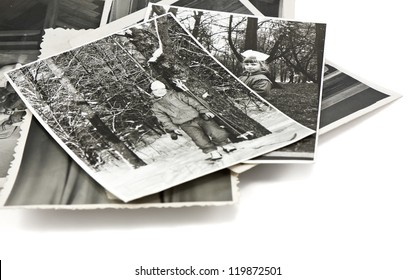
231,45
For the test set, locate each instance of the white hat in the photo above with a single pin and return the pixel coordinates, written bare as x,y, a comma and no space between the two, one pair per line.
157,85
258,55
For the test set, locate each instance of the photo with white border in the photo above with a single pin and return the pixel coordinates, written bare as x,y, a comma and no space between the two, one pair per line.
100,112
84,192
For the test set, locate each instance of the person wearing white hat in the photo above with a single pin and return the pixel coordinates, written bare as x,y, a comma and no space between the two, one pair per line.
256,73
176,110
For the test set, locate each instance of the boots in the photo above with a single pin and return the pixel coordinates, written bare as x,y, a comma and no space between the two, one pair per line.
228,148
215,155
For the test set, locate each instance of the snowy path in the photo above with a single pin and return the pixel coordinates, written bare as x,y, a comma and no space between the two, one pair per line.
129,184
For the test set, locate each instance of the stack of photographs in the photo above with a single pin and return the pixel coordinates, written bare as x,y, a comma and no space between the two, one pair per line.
160,104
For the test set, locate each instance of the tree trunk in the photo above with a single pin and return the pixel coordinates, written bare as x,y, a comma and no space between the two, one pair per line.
238,56
251,36
320,32
198,17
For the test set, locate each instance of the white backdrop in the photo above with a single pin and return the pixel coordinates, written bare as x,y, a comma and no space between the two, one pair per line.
348,216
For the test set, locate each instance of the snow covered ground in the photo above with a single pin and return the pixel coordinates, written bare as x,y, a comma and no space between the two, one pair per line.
187,162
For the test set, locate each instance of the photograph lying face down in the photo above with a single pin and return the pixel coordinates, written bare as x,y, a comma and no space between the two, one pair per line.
97,103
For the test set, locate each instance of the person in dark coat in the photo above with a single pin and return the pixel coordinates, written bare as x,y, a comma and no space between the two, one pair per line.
256,74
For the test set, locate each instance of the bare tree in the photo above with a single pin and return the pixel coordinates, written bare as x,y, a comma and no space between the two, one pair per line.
251,34
112,140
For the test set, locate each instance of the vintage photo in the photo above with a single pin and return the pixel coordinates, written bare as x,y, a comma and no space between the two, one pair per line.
59,183
129,12
347,106
280,60
122,8
346,97
272,8
23,22
126,13
140,112
275,8
122,14
212,189
14,122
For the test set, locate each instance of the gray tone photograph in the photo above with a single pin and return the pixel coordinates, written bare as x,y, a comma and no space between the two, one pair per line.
31,185
22,24
140,112
59,183
346,97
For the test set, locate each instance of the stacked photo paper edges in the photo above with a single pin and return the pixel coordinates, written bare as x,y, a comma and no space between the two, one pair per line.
139,119
148,108
108,103
68,186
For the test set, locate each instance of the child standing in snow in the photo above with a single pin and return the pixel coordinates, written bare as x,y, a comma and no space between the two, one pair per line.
176,111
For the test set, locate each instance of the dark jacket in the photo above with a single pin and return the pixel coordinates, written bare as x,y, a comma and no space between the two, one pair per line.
258,82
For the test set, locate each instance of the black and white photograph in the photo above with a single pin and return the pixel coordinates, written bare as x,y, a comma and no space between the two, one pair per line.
123,14
278,59
275,8
140,112
59,183
126,13
84,192
122,8
346,97
69,187
36,173
348,215
45,177
14,122
23,23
